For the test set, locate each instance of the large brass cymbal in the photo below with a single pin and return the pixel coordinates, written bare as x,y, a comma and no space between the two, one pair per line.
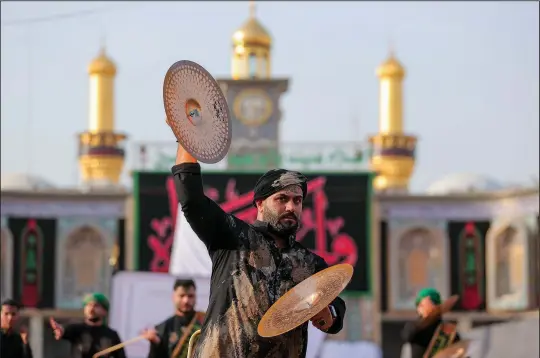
197,111
457,350
305,300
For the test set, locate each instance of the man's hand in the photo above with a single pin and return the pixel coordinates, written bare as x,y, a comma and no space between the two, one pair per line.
323,320
58,330
23,331
431,317
151,335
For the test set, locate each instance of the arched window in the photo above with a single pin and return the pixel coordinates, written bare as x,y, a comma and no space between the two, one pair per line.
264,67
509,258
6,264
84,266
252,65
508,264
417,260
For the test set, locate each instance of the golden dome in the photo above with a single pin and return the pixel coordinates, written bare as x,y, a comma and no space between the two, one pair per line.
252,32
391,68
102,65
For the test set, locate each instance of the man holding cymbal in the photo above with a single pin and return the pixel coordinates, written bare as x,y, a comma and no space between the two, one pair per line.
252,265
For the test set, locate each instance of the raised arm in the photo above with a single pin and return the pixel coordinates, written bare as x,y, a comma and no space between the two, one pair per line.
211,224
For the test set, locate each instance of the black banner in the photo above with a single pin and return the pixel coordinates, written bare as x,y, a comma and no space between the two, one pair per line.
467,263
335,220
34,261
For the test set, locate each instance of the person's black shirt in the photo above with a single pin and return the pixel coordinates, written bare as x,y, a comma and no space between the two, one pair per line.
249,274
170,332
87,340
420,337
12,345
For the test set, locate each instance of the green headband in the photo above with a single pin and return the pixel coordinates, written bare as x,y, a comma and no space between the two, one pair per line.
432,293
98,298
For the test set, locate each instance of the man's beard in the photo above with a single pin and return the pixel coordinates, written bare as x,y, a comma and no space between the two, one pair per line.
281,227
184,309
94,319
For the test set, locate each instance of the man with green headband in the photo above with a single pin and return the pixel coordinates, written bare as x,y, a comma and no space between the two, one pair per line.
419,334
93,335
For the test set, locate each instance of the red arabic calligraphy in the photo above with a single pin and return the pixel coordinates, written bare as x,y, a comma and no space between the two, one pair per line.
341,249
161,244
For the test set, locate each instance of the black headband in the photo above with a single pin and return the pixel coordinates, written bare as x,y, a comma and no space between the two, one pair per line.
278,179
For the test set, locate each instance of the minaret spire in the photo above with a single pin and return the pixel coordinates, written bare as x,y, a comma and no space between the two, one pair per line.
252,9
393,151
101,157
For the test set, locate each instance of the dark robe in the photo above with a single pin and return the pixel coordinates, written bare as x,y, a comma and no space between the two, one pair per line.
170,332
87,340
420,337
12,345
249,273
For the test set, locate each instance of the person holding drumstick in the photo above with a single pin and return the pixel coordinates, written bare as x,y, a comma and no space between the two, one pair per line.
419,334
93,335
171,337
252,265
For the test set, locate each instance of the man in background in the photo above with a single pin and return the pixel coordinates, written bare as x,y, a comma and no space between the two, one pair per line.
93,335
420,333
13,342
170,338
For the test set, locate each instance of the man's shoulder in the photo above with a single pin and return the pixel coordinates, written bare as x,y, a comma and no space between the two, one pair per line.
111,331
200,316
166,322
76,325
15,336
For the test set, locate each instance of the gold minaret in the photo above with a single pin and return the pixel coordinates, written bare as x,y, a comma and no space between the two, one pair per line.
392,151
101,159
251,49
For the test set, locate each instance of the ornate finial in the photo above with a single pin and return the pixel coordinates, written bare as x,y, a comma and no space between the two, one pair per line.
102,45
252,9
391,48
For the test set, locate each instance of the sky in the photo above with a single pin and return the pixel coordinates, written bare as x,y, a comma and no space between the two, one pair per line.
471,91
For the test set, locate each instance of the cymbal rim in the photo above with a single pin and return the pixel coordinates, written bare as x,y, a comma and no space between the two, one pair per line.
263,328
217,144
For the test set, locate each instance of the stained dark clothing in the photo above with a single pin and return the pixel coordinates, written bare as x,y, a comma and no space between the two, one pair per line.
12,345
87,340
249,274
420,337
170,332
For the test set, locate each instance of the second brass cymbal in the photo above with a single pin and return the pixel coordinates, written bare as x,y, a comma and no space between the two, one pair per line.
305,300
